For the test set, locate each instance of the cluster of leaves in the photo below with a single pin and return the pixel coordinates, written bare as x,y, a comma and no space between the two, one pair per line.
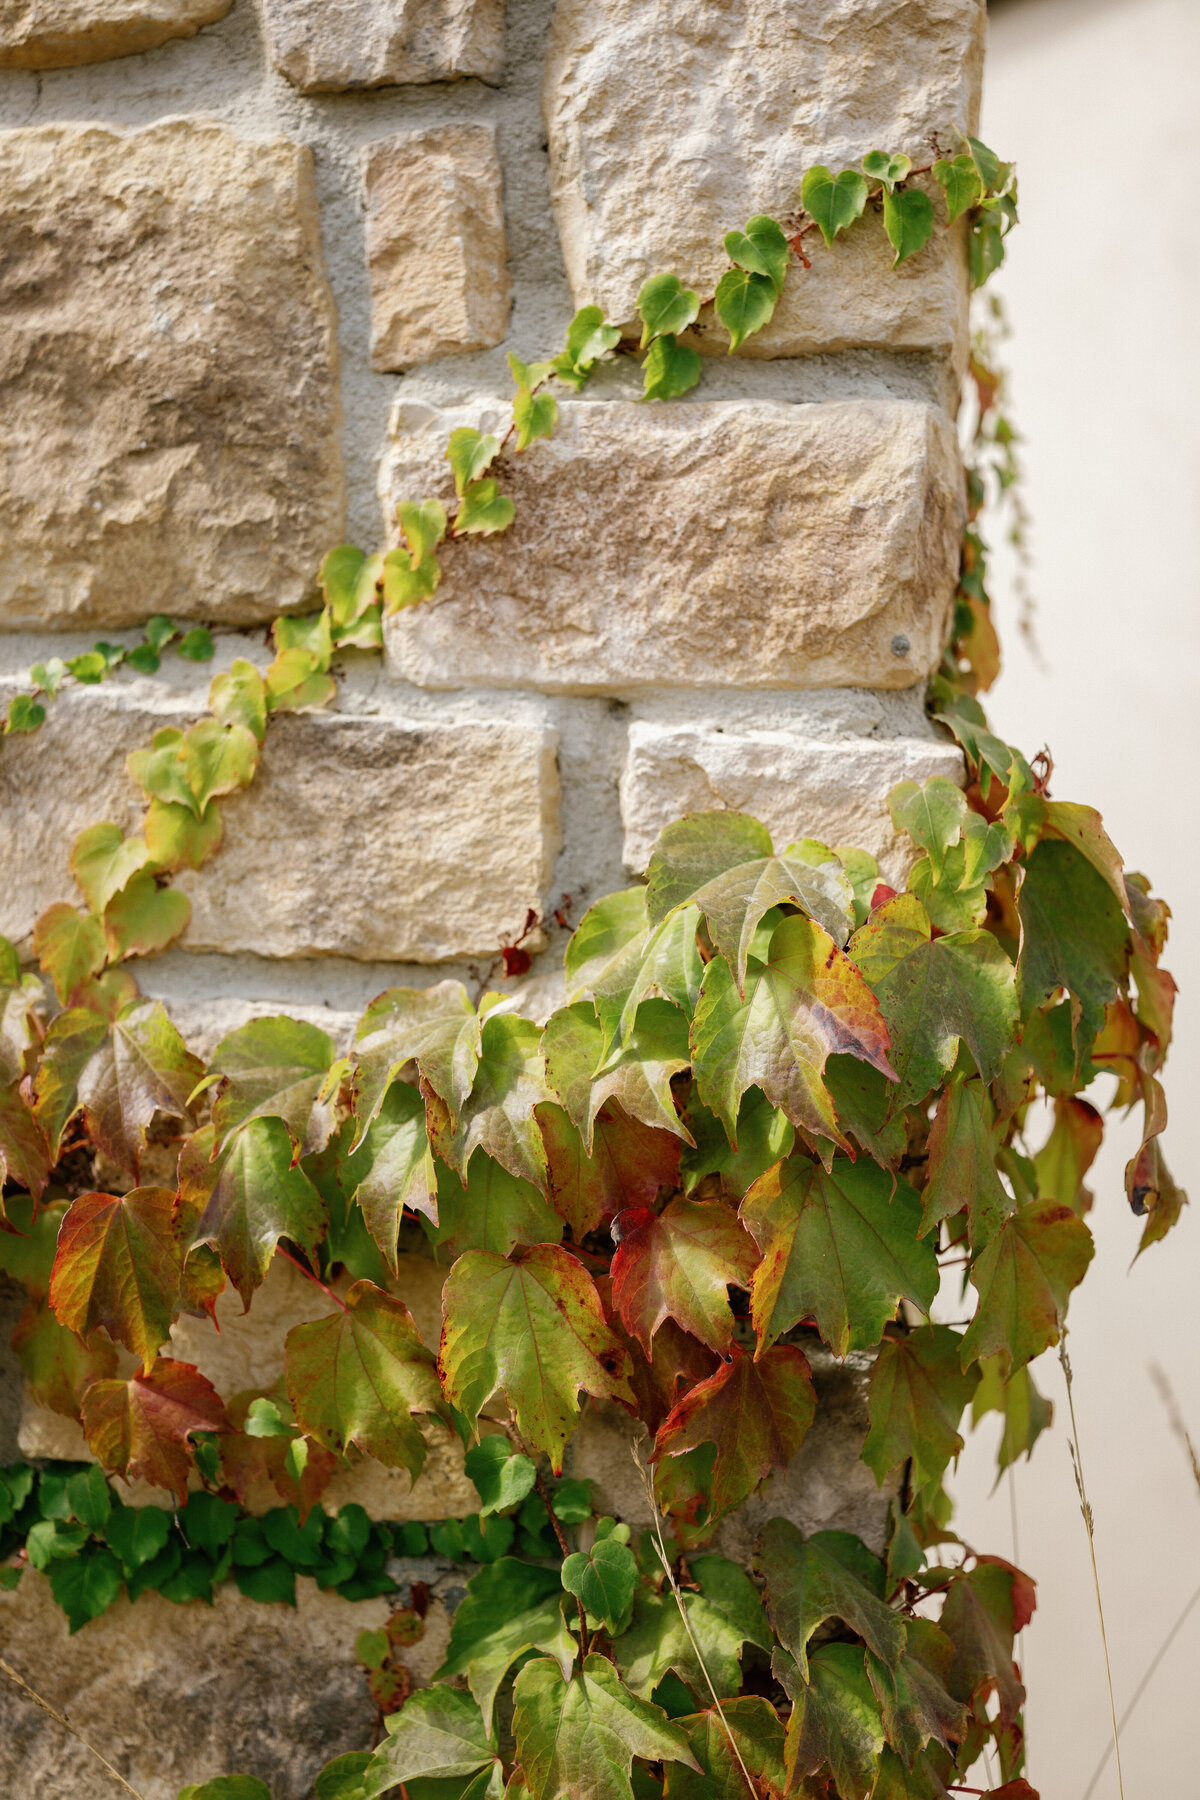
26,712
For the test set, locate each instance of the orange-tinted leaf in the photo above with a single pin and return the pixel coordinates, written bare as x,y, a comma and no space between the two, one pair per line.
629,1163
1069,1152
756,1413
679,1361
58,1367
140,1428
24,1152
70,946
363,1377
531,1329
118,1267
679,1264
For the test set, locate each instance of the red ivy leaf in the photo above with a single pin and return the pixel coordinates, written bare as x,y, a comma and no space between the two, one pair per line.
756,1413
679,1264
140,1428
118,1266
629,1163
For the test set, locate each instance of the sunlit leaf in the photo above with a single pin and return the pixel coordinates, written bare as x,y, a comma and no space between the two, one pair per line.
577,1739
745,303
118,1266
392,1168
140,1428
628,1165
497,1116
439,1733
274,1068
833,201
144,917
670,369
679,1264
102,860
124,1074
604,1579
247,1198
908,221
636,1074
437,1027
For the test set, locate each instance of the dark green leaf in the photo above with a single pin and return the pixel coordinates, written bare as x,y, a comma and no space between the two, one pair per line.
248,1198
439,1732
962,1164
835,1721
494,1211
758,1733
86,1585
666,306
830,1575
959,180
918,1393
670,369
1024,1277
502,1476
1073,934
908,221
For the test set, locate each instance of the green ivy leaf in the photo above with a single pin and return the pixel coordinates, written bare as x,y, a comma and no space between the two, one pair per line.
936,994
834,202
758,1733
984,1609
103,860
423,526
118,1267
835,1721
829,1575
745,302
437,1027
918,1394
137,1534
228,1787
25,713
764,1135
1073,934
886,167
1026,1413
535,416
493,1211
437,1734
529,376
959,180
85,1586
962,1165
70,946
530,1327
297,682
670,369
637,1074
363,1377
805,1002
502,1476
470,454
405,586
247,1198
58,1366
603,1578
1024,1278
510,1609
274,1068
193,767
483,509
615,958
932,814
196,645
49,676
657,1644
176,839
345,1778
310,632
839,1247
392,1168
239,697
577,1739
589,338
666,306
145,918
908,221
89,669
497,1115
762,249
756,1411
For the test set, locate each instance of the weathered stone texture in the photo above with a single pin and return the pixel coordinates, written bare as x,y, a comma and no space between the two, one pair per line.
176,1694
334,44
726,543
663,139
168,376
799,787
436,247
358,837
60,34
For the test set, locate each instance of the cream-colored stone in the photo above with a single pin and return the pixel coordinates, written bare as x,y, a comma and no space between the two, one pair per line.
359,837
436,248
724,543
662,140
334,44
799,787
60,34
178,1694
168,376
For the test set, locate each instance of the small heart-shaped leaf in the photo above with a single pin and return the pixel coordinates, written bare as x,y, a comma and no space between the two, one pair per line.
834,202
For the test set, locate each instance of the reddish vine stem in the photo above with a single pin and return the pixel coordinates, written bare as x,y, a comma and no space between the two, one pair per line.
315,1279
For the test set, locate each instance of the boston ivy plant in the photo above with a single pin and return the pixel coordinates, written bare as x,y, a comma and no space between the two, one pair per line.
783,1107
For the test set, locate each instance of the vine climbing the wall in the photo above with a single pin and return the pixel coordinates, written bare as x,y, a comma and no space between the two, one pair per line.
784,1111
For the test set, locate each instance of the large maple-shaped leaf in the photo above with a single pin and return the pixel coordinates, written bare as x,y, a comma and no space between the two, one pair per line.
764,1135
679,1264
24,1152
835,1722
1024,1279
122,1073
247,1198
140,1428
438,1734
577,1739
984,1609
678,1360
628,1165
617,960
756,1413
492,1211
636,1074
497,1115
1073,933
913,1697
658,1643
392,1167
962,1164
510,1609
838,1246
436,1027
758,1733
936,993
274,1068
118,1266
829,1575
1025,1412
531,1328
363,1377
57,1365
723,864
70,947
918,1394
804,1003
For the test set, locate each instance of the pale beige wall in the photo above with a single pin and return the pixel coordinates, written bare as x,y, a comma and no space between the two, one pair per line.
1098,100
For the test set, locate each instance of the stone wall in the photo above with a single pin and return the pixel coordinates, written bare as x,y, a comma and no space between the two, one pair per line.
256,257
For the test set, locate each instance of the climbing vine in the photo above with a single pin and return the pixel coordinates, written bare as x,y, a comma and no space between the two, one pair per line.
784,1112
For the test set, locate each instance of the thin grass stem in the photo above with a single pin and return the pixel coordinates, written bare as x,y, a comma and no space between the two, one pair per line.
20,1681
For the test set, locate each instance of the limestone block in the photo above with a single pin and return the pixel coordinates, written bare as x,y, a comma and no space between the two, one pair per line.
661,141
436,248
60,34
176,1694
725,543
334,44
359,837
799,787
168,376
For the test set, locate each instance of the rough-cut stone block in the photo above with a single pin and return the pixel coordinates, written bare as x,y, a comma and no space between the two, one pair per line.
358,837
168,376
799,787
436,247
60,34
176,1694
661,141
726,543
335,44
